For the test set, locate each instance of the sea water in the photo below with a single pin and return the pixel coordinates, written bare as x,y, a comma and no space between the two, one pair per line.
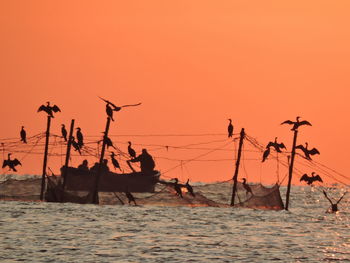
55,232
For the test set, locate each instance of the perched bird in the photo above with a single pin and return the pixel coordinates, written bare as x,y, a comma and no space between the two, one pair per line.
297,123
177,188
266,154
49,109
114,161
310,179
246,187
110,107
64,132
23,135
276,145
131,151
11,163
108,141
306,151
75,145
189,188
230,128
129,196
80,137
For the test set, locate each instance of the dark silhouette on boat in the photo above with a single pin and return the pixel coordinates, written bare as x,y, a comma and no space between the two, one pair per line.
131,151
115,161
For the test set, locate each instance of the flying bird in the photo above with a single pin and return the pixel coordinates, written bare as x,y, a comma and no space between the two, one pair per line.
64,132
306,151
23,135
310,179
296,123
49,109
230,129
80,137
131,151
115,161
110,107
276,145
11,163
189,188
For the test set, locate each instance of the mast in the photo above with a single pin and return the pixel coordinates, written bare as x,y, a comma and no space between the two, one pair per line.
65,168
95,198
242,134
45,158
291,168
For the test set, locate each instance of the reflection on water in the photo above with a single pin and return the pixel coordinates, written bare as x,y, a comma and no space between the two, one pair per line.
49,232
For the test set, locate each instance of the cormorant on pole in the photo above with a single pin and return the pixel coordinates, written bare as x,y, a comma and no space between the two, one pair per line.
276,145
11,163
230,129
75,145
23,135
131,151
310,179
306,151
296,123
115,162
64,132
110,107
80,137
49,109
108,141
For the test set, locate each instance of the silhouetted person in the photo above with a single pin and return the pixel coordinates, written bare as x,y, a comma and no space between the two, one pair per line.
49,109
146,161
95,167
310,179
80,137
297,123
334,206
246,187
23,135
189,188
230,128
129,196
131,151
276,145
104,166
64,132
11,163
177,188
306,151
266,154
84,166
110,107
114,161
75,145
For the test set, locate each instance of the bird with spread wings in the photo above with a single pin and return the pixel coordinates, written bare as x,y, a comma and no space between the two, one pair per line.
110,107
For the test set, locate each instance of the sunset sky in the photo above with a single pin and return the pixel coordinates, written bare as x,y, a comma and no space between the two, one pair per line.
192,64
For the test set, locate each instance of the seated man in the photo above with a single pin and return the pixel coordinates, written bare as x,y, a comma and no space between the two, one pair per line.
146,161
84,165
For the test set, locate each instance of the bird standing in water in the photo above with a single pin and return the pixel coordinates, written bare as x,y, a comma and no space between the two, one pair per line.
110,107
177,188
49,109
306,151
64,132
131,151
115,162
189,188
130,197
230,129
11,163
296,123
23,135
246,187
80,137
310,179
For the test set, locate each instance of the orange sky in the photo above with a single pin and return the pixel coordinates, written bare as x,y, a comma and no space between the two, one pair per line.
192,64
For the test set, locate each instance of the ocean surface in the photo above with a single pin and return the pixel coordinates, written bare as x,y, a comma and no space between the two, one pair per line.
55,232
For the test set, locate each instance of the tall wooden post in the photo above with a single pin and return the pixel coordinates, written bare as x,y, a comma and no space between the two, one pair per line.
95,198
45,158
66,163
291,168
237,167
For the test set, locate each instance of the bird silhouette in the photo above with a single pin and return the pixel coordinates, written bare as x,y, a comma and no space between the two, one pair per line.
306,151
310,179
189,188
276,145
49,109
108,141
11,163
266,154
23,135
246,186
64,132
80,137
177,188
131,151
230,128
115,162
130,197
75,145
110,107
296,123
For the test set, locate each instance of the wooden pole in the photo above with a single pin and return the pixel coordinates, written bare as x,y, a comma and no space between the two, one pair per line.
95,198
237,167
45,158
65,167
291,168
